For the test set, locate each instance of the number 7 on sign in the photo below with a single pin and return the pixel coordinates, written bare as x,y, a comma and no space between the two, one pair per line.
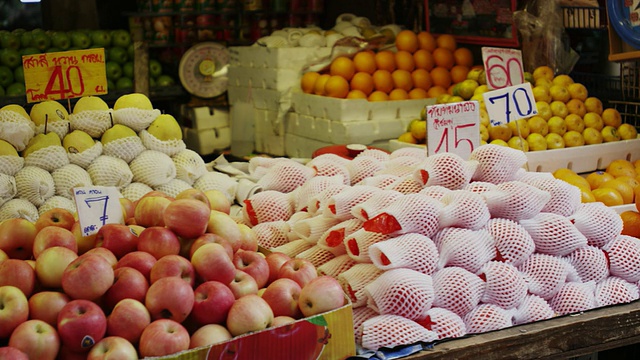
510,103
101,200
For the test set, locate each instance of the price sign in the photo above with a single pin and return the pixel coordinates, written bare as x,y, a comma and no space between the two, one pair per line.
65,74
453,128
503,67
97,206
510,103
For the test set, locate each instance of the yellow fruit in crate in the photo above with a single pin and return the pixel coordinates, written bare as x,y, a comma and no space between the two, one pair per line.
418,129
543,82
342,66
398,94
543,71
554,141
625,190
407,40
481,89
427,41
41,141
574,123
378,96
520,128
362,81
610,134
424,60
421,79
593,104
318,86
382,81
308,81
631,181
455,99
608,196
443,98
356,94
627,132
592,136
484,133
528,76
480,99
557,125
336,87
402,79
576,106
499,142
365,61
418,93
463,56
435,91
447,41
484,117
117,131
630,223
597,178
405,61
561,173
541,93
611,117
538,125
482,78
562,79
586,196
621,167
133,100
558,108
537,142
519,143
578,91
593,120
407,138
501,132
467,88
6,149
474,74
573,138
575,180
165,127
559,93
77,141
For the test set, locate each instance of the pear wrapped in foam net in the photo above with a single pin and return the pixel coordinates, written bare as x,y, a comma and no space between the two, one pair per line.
554,234
403,292
60,127
126,148
259,165
497,164
286,176
624,257
135,190
169,147
49,158
333,238
214,180
355,279
312,228
446,169
381,155
10,164
19,208
505,285
408,213
398,170
379,180
393,330
359,242
316,255
532,308
598,222
374,204
336,266
311,188
614,290
317,203
565,198
574,297
480,186
487,317
93,122
513,243
57,201
339,205
445,323
468,249
419,153
173,187
437,192
68,177
110,171
267,206
16,129
411,251
293,248
272,234
83,159
516,200
153,168
464,209
457,290
360,315
331,165
362,167
189,166
8,189
34,184
545,274
136,119
590,262
406,185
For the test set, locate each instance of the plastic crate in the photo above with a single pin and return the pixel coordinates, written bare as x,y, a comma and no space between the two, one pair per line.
604,87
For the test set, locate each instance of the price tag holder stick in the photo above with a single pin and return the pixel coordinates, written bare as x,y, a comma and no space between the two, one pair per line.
96,207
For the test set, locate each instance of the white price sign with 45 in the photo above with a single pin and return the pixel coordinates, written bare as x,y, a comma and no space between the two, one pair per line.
97,206
453,128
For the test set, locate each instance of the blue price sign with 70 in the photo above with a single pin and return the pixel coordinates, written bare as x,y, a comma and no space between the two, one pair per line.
510,103
97,206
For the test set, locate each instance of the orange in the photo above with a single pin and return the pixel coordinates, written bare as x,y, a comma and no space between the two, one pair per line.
463,56
318,87
407,40
365,61
633,182
342,66
443,57
418,93
611,117
385,60
421,79
337,87
586,196
426,41
402,80
440,76
446,41
423,59
608,196
459,73
356,94
405,61
308,81
382,81
630,223
362,81
621,167
378,96
597,178
398,94
636,193
451,88
622,187
436,90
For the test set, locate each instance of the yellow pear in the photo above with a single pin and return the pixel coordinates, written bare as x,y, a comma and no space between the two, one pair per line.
165,127
16,108
7,149
88,103
49,110
77,141
133,100
543,72
593,120
117,131
41,141
500,132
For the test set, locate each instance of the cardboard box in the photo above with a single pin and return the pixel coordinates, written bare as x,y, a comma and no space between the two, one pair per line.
206,141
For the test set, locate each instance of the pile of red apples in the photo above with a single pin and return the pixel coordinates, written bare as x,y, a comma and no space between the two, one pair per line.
180,273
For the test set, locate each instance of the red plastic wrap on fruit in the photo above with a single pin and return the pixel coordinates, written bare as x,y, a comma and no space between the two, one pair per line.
383,224
251,213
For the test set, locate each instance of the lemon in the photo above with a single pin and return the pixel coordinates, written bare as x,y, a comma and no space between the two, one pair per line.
407,138
419,130
554,141
573,138
592,136
610,133
537,142
519,143
627,132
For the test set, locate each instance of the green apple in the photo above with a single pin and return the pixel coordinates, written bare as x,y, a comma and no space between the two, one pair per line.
10,41
120,38
114,70
41,40
127,69
165,80
29,51
101,38
80,39
16,89
152,82
18,74
124,83
6,76
26,39
118,54
111,85
18,31
60,40
10,58
155,68
53,49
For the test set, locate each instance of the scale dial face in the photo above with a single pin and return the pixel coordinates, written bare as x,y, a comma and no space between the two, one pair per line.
204,69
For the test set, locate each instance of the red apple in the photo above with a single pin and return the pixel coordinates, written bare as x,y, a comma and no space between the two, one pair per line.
218,201
282,296
68,354
254,264
87,277
128,283
113,347
128,208
156,193
275,260
14,309
54,236
299,270
249,239
18,273
212,262
208,335
212,301
127,320
105,253
55,217
118,238
170,298
173,265
46,305
139,260
193,193
321,294
149,210
207,238
12,353
85,243
81,324
37,339
249,313
51,263
188,218
163,337
222,224
16,238
282,320
243,284
158,241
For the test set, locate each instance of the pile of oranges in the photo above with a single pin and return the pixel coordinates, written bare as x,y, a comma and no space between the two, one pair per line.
424,66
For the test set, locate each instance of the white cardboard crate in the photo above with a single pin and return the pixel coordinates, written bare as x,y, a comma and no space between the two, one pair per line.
302,147
264,78
269,132
294,58
206,141
267,99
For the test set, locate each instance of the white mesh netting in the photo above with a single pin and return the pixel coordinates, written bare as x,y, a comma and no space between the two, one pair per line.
331,165
8,188
598,222
16,129
379,154
293,219
85,158
480,187
411,251
358,244
574,297
379,180
48,158
355,279
169,147
445,323
532,308
110,171
19,208
259,165
34,184
215,180
136,119
316,255
505,286
408,213
515,200
545,274
333,238
393,330
267,206
93,122
68,177
374,204
497,164
624,256
406,185
360,315
460,247
311,188
400,171
554,234
487,317
272,234
126,148
10,164
339,205
513,243
293,248
446,169
60,127
464,209
57,202
614,290
152,168
590,262
565,198
286,176
318,202
403,292
189,166
336,266
437,192
419,153
173,187
135,190
457,290
363,166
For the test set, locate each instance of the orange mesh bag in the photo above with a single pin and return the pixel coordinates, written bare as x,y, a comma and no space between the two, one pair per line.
355,279
624,257
311,229
497,164
333,239
378,154
480,187
445,323
363,166
316,255
293,248
358,244
574,297
317,202
565,198
446,169
267,206
392,330
331,165
614,290
554,234
379,180
406,185
505,285
336,266
360,315
339,205
285,176
598,222
411,251
487,317
513,243
436,191
464,209
590,262
515,200
532,308
419,153
468,249
374,204
457,289
403,292
545,274
272,234
408,213
311,188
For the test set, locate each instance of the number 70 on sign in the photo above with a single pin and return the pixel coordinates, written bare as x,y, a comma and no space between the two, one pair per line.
510,103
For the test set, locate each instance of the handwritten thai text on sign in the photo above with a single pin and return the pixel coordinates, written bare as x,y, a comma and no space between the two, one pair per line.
97,206
63,75
503,67
453,128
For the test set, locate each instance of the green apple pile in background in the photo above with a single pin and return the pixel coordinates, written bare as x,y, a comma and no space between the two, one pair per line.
116,43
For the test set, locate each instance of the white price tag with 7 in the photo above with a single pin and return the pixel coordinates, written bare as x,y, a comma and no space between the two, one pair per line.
510,103
503,67
97,206
453,128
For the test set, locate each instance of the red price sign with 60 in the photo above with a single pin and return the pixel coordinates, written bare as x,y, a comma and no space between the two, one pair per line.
503,67
453,128
64,75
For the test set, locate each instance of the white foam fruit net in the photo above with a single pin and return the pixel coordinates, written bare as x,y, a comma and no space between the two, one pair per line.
10,164
590,262
126,148
445,323
189,165
135,190
152,168
505,286
497,164
331,165
513,243
355,279
267,206
259,165
487,317
339,205
317,203
286,176
401,171
48,158
598,222
85,158
363,166
16,129
215,180
378,154
312,228
468,249
624,255
374,204
360,315
565,198
68,177
336,266
137,119
60,127
408,213
480,187
358,244
311,188
532,308
293,219
411,251
436,191
446,169
464,209
406,185
554,234
381,181
110,171
392,330
333,238
173,187
457,290
515,200
403,292
419,153
93,122
614,290
574,297
545,274
34,184
272,234
19,208
316,255
56,201
8,188
169,147
293,248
